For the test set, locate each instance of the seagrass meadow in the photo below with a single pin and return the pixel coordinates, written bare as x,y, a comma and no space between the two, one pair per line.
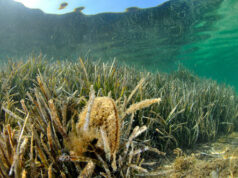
94,119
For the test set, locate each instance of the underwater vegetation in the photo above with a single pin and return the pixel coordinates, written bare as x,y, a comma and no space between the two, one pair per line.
88,118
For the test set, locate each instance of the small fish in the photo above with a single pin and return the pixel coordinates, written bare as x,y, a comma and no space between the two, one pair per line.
63,5
79,9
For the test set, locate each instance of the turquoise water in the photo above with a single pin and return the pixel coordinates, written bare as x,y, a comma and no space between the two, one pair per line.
200,34
215,52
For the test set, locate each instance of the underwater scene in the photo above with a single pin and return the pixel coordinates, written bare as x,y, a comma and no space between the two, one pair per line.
122,88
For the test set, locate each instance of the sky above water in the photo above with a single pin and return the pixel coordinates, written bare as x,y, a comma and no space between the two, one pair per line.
90,6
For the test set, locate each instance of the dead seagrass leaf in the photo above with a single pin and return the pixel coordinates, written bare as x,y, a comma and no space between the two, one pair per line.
88,170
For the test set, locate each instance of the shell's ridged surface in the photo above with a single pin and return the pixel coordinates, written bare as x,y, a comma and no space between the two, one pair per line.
103,114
